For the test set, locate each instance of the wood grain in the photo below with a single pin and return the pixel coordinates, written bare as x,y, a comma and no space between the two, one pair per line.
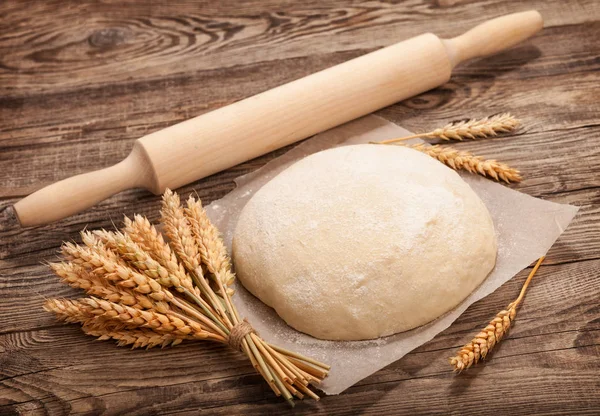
79,81
101,38
98,137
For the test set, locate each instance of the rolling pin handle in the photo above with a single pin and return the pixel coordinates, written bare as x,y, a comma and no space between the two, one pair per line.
77,193
493,36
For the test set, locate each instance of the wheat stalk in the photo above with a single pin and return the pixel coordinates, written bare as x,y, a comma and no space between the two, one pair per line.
169,322
179,231
211,247
97,313
493,333
467,129
146,292
68,311
137,338
458,159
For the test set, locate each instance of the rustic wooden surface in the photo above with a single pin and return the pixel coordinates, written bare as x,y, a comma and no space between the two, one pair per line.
79,81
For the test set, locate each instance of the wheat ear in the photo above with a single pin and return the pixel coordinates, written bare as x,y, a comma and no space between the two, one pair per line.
209,242
179,231
94,311
137,338
79,277
467,129
68,310
458,159
97,245
493,333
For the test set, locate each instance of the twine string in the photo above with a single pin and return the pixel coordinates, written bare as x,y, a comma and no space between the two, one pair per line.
237,334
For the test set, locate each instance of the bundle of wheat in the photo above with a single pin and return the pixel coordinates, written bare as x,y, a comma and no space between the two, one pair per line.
146,292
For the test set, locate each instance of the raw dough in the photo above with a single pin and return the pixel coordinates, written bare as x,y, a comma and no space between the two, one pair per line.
364,241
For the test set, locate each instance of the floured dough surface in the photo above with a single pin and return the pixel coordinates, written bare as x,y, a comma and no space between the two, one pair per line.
363,241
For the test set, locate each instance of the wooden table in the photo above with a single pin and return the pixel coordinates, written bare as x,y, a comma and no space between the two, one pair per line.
79,81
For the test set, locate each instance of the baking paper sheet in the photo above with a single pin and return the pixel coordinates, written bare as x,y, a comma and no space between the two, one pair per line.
526,228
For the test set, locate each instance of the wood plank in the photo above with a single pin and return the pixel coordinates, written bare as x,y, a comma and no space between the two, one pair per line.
553,54
145,42
61,364
545,375
145,105
539,373
25,281
549,391
581,240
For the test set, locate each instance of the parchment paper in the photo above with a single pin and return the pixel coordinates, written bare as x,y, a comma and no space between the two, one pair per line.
526,228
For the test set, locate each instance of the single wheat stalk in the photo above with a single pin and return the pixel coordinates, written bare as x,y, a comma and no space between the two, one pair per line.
179,231
90,310
493,333
208,239
68,311
77,312
146,292
467,129
458,159
137,338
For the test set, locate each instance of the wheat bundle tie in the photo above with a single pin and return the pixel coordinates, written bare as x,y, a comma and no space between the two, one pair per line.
238,333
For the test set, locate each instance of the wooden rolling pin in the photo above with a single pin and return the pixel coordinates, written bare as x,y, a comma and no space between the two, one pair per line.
209,143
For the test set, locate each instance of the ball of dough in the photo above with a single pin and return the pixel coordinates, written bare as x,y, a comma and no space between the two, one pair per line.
364,241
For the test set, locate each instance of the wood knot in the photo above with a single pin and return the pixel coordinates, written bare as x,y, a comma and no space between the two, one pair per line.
430,100
237,334
448,3
108,37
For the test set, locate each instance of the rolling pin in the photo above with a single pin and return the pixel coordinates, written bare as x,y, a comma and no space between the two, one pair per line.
201,146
